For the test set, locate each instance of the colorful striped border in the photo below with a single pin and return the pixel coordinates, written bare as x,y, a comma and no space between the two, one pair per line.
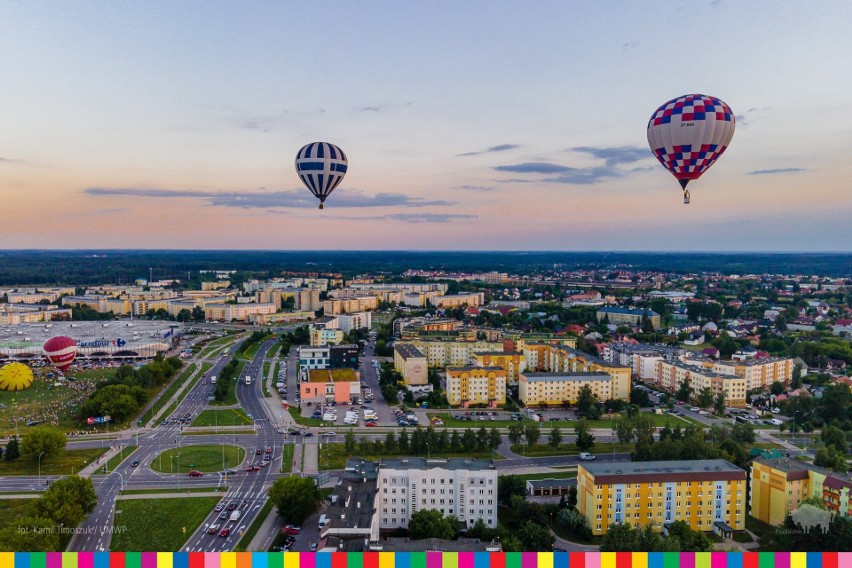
426,560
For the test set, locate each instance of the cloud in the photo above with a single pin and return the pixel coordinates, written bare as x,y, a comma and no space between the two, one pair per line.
474,187
534,168
11,160
616,155
776,171
266,199
497,148
628,45
428,217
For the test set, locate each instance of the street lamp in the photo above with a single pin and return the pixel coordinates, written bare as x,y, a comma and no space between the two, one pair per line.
39,468
428,451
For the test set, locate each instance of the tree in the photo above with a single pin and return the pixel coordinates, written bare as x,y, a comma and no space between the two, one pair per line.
429,523
390,442
468,441
349,442
534,536
684,391
555,437
43,440
776,388
30,534
719,404
831,458
585,439
455,442
509,485
585,400
67,501
571,501
690,540
404,446
294,497
640,397
13,450
834,436
705,397
516,433
494,439
623,428
198,313
796,381
533,433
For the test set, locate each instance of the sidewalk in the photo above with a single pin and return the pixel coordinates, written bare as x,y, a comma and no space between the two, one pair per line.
266,534
96,465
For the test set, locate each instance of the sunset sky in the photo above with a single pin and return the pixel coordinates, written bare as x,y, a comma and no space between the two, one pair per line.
468,125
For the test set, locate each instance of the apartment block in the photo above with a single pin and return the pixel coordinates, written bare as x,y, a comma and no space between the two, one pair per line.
468,386
411,364
512,362
671,375
555,389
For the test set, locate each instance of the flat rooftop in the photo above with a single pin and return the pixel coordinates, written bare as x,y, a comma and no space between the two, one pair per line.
546,377
408,351
332,376
655,471
435,463
131,331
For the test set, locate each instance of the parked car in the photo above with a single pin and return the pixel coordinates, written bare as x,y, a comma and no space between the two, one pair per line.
292,530
195,473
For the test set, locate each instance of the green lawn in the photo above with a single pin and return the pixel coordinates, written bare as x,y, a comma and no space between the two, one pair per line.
287,458
207,458
11,510
166,396
71,461
116,460
224,417
759,528
540,450
255,526
208,431
158,524
231,398
334,456
297,416
548,475
185,490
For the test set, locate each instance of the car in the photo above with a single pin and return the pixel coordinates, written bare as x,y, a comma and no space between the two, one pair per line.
313,547
223,515
134,463
232,505
212,529
292,530
219,507
263,464
282,430
369,423
253,468
258,451
294,433
225,532
195,473
329,434
309,434
268,450
231,471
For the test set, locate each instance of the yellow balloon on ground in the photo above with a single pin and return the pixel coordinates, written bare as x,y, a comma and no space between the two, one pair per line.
15,377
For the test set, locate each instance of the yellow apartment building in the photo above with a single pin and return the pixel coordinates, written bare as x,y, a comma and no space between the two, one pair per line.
549,358
758,373
555,389
700,492
446,353
513,362
476,385
411,364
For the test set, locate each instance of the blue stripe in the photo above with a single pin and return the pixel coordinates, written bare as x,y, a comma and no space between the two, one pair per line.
320,150
101,560
402,560
332,151
22,560
735,559
322,560
336,167
655,560
259,560
310,166
180,560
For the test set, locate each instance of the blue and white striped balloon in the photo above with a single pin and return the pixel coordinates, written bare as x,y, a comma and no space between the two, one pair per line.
321,166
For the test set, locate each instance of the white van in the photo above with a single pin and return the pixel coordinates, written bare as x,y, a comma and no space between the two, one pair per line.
248,380
323,520
235,516
586,456
213,380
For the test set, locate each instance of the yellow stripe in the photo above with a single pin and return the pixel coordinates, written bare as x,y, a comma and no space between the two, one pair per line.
7,560
226,560
702,560
291,560
608,560
386,559
545,560
798,560
164,559
639,560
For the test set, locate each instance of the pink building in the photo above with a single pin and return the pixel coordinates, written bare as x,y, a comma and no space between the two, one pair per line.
326,385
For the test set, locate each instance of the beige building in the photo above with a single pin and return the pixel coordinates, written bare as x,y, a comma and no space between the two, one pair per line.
671,375
218,285
411,364
445,353
308,300
456,300
758,373
349,305
547,358
468,386
555,389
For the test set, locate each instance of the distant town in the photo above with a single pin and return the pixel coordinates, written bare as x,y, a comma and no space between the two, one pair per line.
569,408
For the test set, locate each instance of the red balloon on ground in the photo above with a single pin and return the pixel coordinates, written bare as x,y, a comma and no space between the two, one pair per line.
60,351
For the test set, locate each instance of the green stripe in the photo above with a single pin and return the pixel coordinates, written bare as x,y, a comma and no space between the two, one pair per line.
132,560
418,559
38,560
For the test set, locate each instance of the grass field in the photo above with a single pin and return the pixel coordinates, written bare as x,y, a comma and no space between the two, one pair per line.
207,431
224,417
70,462
255,526
158,524
43,401
206,458
541,450
187,490
287,458
231,398
334,456
166,396
116,460
548,475
11,510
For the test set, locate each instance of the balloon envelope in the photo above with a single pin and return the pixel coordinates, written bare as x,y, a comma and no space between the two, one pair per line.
321,167
15,377
689,133
60,351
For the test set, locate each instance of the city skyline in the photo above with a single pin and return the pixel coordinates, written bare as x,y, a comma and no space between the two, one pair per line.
176,126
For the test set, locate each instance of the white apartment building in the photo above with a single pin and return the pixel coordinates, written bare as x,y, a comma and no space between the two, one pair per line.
462,487
358,320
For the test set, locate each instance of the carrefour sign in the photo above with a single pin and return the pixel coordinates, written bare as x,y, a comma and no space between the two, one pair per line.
103,343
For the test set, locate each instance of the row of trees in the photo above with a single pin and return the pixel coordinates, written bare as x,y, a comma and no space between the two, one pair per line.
530,433
226,381
41,441
64,504
681,537
122,396
424,441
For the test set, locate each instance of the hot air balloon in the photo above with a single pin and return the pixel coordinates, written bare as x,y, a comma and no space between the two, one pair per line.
60,351
688,134
321,166
15,377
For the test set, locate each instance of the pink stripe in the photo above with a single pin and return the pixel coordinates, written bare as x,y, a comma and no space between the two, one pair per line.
149,560
593,560
53,560
211,560
782,560
85,560
306,560
433,560
529,559
718,560
465,560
